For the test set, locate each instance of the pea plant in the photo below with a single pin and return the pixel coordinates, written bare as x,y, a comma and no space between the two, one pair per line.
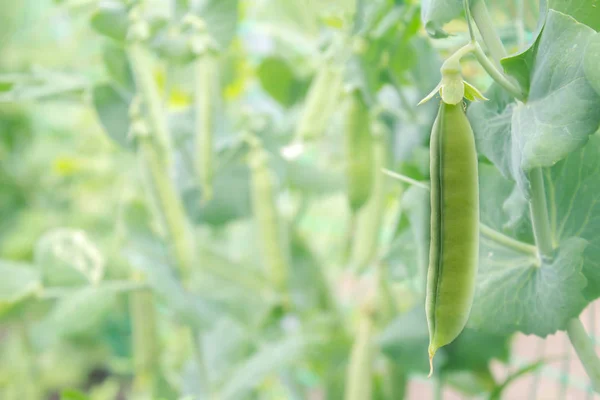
272,199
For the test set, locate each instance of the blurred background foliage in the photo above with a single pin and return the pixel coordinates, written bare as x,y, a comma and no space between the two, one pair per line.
80,247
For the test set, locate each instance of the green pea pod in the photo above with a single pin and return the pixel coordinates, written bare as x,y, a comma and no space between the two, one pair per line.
370,217
206,95
321,102
454,248
272,236
359,151
359,378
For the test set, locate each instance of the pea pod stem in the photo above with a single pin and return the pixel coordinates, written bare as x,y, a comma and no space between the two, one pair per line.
485,25
538,207
483,229
495,73
585,349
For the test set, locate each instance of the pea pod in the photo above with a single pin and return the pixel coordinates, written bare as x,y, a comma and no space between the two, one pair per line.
320,102
206,67
454,247
370,217
273,240
359,379
359,151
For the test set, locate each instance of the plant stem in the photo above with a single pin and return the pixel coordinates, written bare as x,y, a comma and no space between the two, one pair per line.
145,343
169,206
205,79
484,23
142,69
507,241
584,347
539,214
496,75
403,178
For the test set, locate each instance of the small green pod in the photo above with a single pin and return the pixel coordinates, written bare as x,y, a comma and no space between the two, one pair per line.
320,103
454,248
359,377
370,217
359,151
273,238
205,93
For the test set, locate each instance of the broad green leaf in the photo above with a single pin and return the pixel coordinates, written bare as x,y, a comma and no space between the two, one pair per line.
112,108
111,20
573,191
519,65
591,62
224,346
221,17
435,13
473,350
561,111
277,79
82,311
18,283
515,294
584,11
223,207
269,360
117,66
149,255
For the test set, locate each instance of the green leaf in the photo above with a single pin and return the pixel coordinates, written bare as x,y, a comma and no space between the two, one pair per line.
224,346
267,361
574,194
71,394
112,108
591,62
584,11
82,311
435,13
514,294
561,112
562,109
111,20
277,78
473,350
18,283
118,67
221,18
519,65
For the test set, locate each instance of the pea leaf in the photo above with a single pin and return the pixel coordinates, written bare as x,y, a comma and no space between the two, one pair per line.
221,17
266,361
82,311
591,61
277,78
574,192
513,293
473,350
561,111
585,11
435,13
19,282
111,20
112,108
